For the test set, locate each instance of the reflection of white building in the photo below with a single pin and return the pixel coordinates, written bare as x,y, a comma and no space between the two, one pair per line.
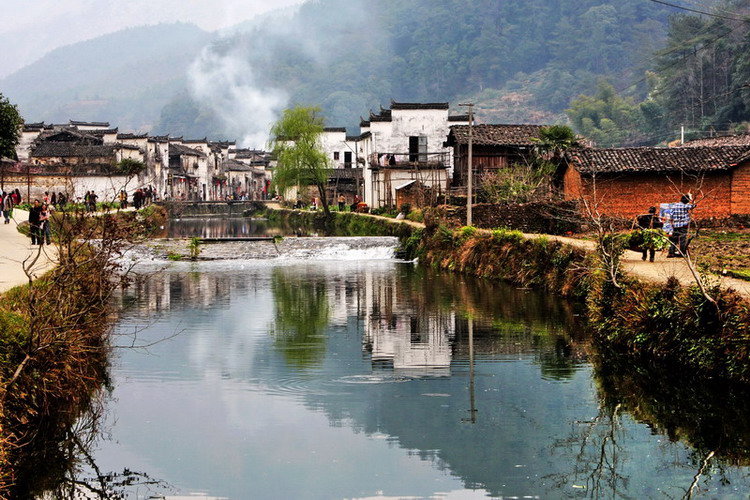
398,331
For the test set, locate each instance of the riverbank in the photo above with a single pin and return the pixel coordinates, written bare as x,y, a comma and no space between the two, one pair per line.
54,344
645,310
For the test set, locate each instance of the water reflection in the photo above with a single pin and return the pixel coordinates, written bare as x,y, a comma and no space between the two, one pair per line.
302,315
391,380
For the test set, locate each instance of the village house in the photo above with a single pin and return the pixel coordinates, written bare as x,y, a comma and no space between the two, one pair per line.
625,182
258,182
185,167
493,147
345,175
398,148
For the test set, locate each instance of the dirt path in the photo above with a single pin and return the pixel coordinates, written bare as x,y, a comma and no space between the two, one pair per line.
658,271
16,252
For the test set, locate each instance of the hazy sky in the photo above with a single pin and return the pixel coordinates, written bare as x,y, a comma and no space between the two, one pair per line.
31,28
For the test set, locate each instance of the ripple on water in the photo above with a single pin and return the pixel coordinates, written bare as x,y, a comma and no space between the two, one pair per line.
384,378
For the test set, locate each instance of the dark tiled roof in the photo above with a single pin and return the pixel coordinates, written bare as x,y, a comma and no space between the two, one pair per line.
418,105
29,127
363,122
383,116
235,166
252,154
458,118
617,160
89,124
69,135
196,141
102,131
180,150
158,138
724,140
71,149
495,135
335,129
132,136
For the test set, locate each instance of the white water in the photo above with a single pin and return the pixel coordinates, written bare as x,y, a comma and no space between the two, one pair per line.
354,248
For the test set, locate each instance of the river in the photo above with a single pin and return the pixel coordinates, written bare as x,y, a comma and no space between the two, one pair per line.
378,379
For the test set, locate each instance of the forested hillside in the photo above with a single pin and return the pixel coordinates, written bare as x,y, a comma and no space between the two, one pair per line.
622,71
521,61
699,80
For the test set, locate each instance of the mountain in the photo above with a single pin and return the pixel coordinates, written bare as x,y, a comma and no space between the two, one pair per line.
519,61
124,78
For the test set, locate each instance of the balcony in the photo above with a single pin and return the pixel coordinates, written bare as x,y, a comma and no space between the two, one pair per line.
344,173
409,161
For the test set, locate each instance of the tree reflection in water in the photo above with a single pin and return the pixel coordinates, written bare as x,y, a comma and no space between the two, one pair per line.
709,416
66,469
302,315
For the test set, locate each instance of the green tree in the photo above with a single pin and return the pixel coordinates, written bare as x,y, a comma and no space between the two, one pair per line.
555,140
606,118
10,127
295,142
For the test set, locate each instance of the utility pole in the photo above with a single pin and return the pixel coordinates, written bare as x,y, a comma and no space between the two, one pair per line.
470,167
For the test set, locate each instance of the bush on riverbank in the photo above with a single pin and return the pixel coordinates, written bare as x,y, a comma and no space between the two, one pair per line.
54,351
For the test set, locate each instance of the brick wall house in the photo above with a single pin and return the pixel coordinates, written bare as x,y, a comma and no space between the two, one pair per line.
624,182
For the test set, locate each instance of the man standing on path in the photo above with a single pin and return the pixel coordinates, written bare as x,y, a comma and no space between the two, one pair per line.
680,219
35,220
649,221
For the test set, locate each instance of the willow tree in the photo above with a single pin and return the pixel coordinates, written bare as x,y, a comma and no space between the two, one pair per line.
295,142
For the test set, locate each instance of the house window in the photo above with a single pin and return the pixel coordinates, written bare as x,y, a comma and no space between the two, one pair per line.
347,159
418,148
336,155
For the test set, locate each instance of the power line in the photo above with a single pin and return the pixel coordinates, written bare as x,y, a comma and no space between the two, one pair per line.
719,16
675,63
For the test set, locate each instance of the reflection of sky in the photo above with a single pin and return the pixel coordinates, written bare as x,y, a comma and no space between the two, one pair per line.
217,410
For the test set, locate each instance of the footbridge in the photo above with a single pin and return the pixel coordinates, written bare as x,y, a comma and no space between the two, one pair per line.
232,208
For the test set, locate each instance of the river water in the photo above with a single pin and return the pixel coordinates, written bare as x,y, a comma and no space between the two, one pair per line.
378,379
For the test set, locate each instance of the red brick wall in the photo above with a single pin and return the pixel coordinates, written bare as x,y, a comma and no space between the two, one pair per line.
627,195
741,189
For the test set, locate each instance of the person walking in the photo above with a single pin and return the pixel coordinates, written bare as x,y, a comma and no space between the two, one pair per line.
649,221
7,207
35,216
680,220
342,202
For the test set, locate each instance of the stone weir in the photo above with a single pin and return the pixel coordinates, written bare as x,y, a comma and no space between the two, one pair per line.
293,248
229,208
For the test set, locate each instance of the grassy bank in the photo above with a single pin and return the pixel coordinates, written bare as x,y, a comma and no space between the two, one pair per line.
652,321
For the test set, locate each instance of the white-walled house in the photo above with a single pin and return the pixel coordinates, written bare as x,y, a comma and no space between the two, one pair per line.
404,148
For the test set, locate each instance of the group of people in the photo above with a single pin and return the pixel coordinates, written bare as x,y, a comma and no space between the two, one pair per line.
675,222
39,220
141,197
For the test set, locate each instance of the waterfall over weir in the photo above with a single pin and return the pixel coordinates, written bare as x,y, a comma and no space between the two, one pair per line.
350,248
